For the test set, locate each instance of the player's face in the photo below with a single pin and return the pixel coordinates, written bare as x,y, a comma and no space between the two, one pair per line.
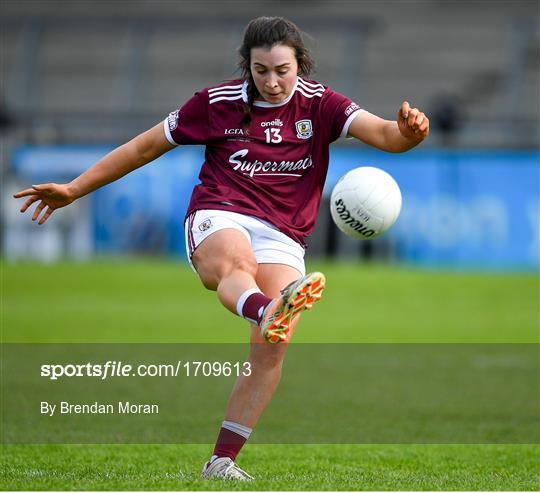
274,72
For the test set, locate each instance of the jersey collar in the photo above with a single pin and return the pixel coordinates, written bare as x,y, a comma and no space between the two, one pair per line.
266,104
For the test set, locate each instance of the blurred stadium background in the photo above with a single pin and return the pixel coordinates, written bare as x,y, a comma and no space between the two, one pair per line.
81,77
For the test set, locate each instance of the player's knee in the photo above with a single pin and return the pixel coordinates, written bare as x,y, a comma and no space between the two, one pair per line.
236,264
212,273
245,264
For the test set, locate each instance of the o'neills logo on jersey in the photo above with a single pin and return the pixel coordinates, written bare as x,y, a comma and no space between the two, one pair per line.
274,123
268,168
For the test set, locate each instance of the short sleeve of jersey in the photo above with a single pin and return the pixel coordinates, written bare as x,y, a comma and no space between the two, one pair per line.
339,111
189,124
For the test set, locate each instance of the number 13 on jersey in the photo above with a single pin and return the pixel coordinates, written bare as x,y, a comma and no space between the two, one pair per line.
273,136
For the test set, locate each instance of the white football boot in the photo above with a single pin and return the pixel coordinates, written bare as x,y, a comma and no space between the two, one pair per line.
298,296
224,468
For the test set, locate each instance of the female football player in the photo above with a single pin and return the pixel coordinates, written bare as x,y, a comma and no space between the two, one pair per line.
267,138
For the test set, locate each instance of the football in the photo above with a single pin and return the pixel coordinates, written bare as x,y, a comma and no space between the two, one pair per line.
365,202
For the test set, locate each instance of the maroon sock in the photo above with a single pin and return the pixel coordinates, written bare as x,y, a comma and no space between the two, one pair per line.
251,307
228,444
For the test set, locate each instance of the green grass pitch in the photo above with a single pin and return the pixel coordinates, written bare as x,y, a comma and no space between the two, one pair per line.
162,301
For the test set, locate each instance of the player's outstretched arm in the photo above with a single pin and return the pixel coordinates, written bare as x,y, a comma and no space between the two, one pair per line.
410,128
136,153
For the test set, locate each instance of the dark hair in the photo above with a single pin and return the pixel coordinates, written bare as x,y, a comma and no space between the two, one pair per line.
266,32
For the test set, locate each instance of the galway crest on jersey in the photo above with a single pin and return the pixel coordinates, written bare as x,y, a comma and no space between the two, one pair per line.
304,130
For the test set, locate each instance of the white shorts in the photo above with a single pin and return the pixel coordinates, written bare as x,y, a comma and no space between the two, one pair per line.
269,245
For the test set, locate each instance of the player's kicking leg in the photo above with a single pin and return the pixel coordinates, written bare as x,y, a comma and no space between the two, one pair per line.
225,263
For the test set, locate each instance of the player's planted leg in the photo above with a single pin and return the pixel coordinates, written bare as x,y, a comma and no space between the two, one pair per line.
250,396
224,468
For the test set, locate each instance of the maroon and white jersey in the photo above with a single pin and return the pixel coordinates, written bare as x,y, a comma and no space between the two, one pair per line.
274,171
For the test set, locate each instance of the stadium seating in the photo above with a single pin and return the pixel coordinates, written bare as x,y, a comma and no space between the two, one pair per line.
94,74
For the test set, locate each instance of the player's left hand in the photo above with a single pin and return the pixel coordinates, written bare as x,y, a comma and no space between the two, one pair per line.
412,123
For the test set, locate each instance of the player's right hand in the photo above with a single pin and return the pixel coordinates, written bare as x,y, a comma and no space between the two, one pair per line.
50,195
